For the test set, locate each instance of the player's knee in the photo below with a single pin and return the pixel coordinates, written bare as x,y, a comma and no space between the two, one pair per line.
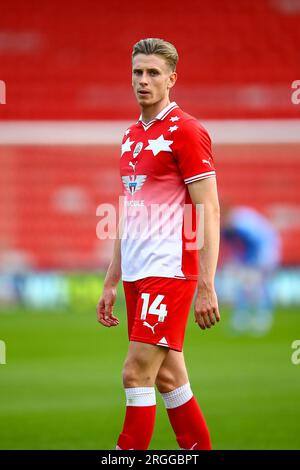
130,378
165,381
169,379
136,374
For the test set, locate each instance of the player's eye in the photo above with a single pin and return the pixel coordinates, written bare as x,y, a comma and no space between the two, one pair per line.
137,72
153,73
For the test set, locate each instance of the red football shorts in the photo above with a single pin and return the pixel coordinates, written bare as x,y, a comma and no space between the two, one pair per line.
158,309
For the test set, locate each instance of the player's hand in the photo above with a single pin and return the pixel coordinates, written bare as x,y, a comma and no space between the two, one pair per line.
206,307
104,307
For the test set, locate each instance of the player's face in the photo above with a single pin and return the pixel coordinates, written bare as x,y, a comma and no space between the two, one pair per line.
152,79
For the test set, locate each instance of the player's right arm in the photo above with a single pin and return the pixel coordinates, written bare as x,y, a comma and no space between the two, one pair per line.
108,297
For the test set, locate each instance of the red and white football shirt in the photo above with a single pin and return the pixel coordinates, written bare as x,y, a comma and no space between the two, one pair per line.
158,160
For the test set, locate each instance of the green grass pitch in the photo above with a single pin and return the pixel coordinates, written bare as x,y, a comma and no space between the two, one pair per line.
61,387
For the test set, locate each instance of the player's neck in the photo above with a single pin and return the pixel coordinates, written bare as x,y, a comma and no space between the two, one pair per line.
150,112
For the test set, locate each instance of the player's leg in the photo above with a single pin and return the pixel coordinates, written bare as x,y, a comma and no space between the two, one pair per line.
172,372
140,370
142,364
156,321
183,410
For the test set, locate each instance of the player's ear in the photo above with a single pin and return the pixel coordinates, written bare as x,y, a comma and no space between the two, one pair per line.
172,80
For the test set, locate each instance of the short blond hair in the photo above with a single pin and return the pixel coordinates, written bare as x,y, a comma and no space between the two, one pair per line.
157,46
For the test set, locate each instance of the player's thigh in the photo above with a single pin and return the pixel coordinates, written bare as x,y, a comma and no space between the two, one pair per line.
172,372
145,357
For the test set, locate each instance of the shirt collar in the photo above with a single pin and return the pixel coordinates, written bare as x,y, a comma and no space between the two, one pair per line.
162,114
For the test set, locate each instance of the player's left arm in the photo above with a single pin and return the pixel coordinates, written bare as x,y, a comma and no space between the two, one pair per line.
206,308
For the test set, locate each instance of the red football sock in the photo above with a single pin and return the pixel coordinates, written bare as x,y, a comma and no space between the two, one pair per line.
187,419
139,419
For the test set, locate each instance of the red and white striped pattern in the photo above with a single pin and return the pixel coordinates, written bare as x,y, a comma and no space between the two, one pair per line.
201,176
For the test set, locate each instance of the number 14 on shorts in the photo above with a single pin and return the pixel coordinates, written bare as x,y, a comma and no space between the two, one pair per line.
156,307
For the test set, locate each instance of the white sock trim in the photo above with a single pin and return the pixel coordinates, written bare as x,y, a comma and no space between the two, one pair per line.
178,397
140,396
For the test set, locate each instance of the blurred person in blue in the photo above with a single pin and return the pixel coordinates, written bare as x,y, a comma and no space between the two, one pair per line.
252,250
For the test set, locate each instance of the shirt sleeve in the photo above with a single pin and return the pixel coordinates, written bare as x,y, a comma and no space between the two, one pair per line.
193,153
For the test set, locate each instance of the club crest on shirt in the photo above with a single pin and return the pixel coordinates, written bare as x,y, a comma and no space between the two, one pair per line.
133,183
137,149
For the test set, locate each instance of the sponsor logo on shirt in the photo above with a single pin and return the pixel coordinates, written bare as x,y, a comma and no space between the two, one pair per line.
133,183
135,203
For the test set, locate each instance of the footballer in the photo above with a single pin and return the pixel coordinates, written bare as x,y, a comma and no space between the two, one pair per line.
166,166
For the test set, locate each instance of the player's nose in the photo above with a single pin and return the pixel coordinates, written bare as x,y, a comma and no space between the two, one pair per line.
143,79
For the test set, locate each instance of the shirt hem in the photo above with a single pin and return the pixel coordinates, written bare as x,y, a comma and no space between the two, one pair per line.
187,277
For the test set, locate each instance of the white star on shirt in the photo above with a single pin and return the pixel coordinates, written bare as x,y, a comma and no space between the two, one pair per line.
127,132
126,147
175,118
159,144
173,128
